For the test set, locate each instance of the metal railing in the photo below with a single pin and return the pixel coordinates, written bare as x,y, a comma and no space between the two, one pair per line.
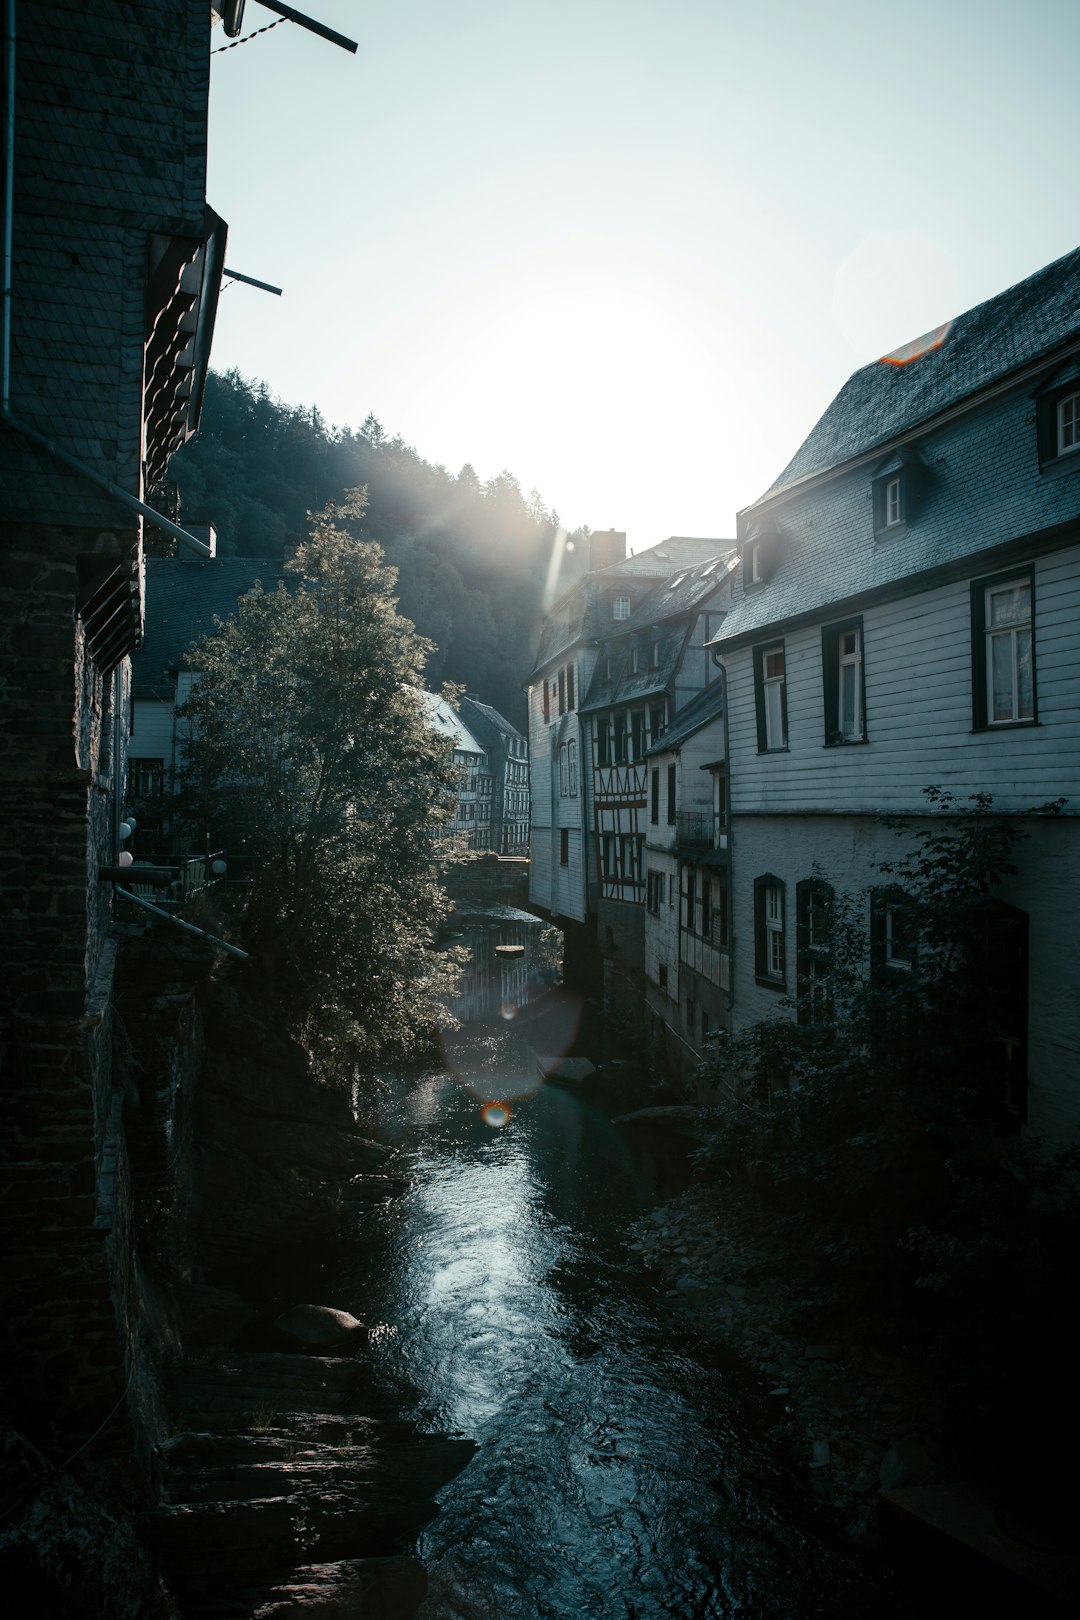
696,829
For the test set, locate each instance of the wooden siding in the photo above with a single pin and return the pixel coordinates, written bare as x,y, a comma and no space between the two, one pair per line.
848,853
918,676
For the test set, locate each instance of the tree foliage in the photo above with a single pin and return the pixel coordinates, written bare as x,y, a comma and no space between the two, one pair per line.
308,750
879,1128
472,557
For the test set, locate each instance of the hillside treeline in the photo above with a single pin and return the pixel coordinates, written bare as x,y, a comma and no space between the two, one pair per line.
472,557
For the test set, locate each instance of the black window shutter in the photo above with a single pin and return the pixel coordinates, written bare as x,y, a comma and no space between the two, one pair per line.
978,655
759,926
759,700
830,682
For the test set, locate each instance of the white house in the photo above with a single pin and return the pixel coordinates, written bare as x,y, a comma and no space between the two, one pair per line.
907,613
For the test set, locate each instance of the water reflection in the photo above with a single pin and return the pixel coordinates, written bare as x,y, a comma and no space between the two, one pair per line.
622,1467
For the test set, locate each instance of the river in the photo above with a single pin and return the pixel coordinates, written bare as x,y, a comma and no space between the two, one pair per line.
624,1468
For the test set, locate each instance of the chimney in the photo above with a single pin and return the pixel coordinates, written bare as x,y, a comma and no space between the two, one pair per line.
606,546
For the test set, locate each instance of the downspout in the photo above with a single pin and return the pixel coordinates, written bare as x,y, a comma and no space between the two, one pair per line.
7,415
732,941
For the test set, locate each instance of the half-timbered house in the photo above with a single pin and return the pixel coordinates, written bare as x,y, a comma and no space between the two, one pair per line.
905,614
687,911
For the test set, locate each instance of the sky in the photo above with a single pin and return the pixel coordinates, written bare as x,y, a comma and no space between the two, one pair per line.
628,250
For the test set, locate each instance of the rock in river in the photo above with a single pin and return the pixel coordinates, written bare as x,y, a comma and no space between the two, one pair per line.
318,1324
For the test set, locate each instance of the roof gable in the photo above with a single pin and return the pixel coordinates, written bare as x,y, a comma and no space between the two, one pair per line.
894,395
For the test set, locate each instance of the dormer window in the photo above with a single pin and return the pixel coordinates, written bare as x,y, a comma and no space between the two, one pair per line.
620,607
757,567
635,660
895,489
892,503
760,555
1068,424
1057,413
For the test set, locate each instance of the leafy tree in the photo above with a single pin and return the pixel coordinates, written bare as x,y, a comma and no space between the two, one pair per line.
876,1129
851,1113
462,547
308,745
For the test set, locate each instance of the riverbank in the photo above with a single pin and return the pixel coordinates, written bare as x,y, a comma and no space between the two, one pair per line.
860,1417
861,1413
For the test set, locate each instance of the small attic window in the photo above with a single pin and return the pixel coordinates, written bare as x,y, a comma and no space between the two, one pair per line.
760,556
1057,409
708,568
676,581
894,492
620,607
1068,424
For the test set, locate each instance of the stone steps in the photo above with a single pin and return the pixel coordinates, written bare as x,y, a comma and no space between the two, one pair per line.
292,1485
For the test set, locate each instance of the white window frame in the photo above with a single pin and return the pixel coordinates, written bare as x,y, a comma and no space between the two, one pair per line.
894,940
757,575
893,503
849,661
571,768
773,693
773,905
620,607
1011,633
1067,416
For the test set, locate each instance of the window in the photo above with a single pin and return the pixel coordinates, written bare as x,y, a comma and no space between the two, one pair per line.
1058,419
620,739
562,691
607,855
654,655
657,712
570,695
894,492
620,607
813,917
571,768
654,797
637,733
654,891
892,503
893,945
769,931
635,660
721,923
603,743
564,846
547,703
770,693
671,795
843,682
146,778
1003,651
661,975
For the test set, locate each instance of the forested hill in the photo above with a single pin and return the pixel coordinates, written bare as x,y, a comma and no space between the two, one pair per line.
472,557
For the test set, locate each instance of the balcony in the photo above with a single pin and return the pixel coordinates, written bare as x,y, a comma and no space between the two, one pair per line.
696,830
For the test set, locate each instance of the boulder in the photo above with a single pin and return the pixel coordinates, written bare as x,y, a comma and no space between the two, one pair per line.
318,1324
570,1072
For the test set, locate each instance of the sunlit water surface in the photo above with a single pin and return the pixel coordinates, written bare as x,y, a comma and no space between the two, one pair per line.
624,1469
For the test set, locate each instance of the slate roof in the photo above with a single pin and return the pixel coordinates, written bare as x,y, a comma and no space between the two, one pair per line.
891,396
687,588
184,596
704,706
487,723
981,487
445,719
580,614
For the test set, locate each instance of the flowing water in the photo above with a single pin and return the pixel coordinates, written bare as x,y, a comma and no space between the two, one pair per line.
624,1469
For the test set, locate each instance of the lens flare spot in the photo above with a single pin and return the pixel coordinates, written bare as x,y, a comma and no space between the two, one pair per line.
508,1011
496,1114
